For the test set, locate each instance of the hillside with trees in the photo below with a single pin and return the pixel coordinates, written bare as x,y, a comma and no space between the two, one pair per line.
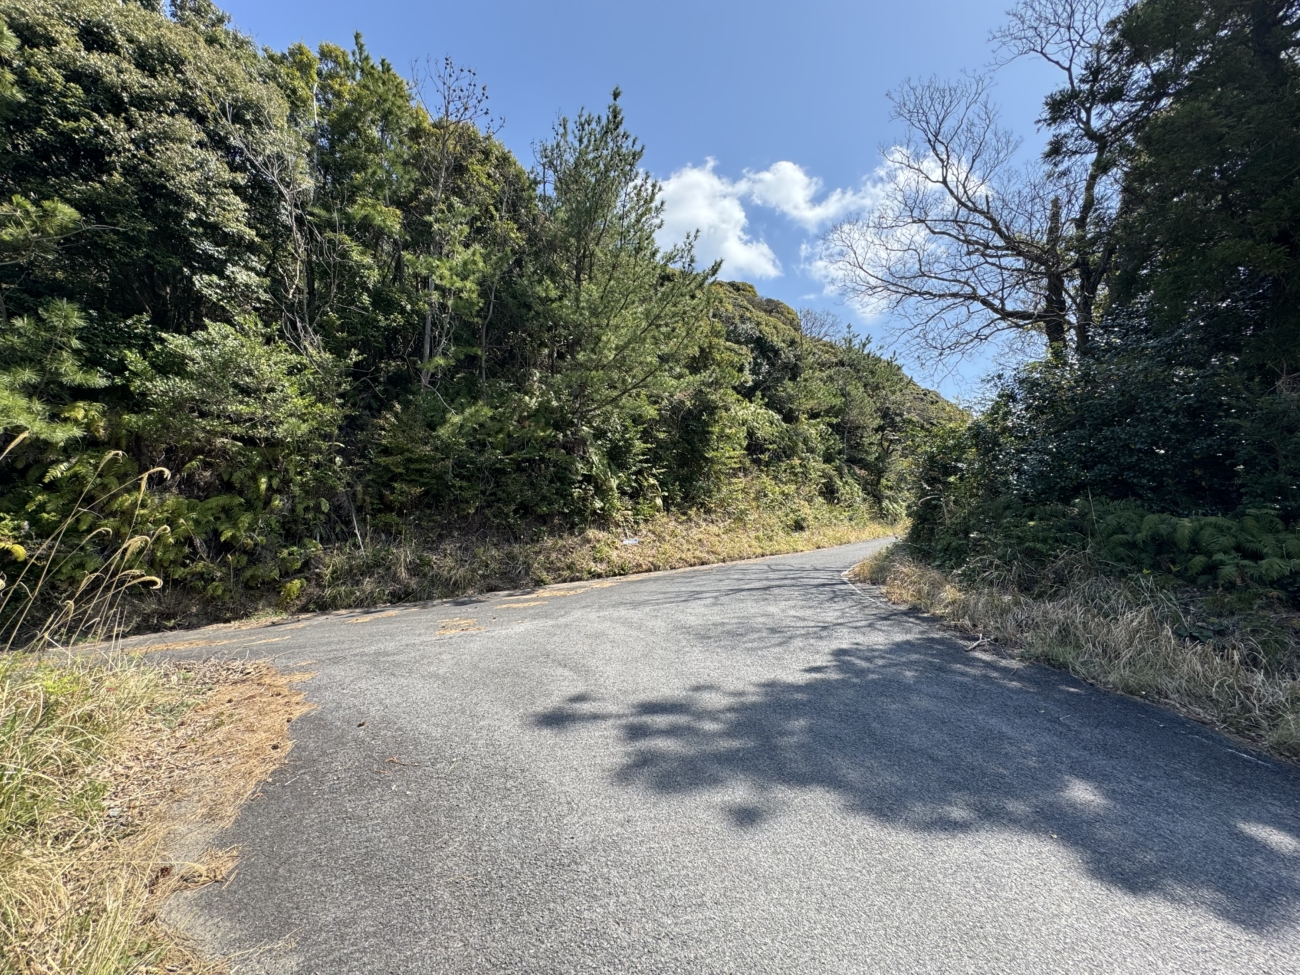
275,319
285,331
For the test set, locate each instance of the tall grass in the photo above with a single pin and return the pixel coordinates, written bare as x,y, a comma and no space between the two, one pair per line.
34,617
74,879
70,892
1236,671
116,776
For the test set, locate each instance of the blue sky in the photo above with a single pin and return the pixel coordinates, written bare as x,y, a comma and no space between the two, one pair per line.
764,119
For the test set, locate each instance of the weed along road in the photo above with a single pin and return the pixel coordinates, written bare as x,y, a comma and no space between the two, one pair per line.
741,768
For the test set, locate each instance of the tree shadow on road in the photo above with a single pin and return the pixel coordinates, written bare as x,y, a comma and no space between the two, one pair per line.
912,732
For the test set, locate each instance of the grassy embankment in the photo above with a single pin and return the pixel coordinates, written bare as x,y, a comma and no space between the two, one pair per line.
406,570
384,570
1237,670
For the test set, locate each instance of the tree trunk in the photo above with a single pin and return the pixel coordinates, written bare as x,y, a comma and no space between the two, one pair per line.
428,340
1054,307
482,344
1081,335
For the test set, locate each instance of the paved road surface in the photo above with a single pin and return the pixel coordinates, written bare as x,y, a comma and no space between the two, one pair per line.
745,768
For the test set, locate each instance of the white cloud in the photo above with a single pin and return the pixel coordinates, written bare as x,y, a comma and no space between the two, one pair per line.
786,188
697,198
814,264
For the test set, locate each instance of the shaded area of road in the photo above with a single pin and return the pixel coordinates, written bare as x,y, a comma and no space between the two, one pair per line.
908,736
747,768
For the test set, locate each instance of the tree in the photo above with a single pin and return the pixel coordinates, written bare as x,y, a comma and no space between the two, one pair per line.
965,243
1187,402
30,235
817,323
623,309
1214,188
1210,256
452,264
43,374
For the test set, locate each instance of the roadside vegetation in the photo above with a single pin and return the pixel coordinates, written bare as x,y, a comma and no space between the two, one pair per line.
116,775
115,771
413,569
1126,503
1188,649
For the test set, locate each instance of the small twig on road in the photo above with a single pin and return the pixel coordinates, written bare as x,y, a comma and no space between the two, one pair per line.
396,761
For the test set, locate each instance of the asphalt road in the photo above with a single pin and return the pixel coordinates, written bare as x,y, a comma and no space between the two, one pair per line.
744,768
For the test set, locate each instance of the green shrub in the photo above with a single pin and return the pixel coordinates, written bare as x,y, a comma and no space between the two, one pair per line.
1253,548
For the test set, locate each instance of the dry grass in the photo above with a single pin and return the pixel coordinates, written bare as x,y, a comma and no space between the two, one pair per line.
116,776
415,569
757,518
1125,635
39,614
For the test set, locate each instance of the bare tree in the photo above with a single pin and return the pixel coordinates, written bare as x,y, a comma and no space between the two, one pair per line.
965,243
817,323
299,247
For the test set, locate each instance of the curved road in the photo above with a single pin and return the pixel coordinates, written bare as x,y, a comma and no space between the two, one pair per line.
742,768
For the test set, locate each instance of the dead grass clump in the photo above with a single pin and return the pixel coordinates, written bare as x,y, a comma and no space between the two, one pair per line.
115,777
1130,635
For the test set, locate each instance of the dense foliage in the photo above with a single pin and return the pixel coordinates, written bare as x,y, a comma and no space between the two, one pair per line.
310,295
1172,443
